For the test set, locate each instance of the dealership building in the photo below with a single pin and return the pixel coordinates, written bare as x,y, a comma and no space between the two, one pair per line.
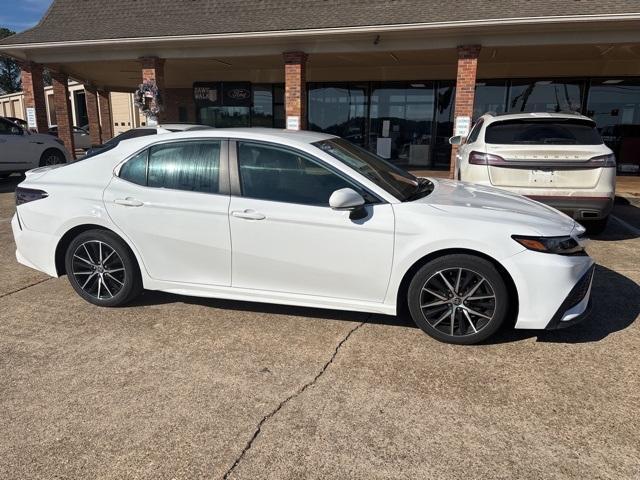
395,76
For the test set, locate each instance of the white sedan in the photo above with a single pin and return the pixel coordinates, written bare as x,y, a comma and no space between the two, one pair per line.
301,218
21,150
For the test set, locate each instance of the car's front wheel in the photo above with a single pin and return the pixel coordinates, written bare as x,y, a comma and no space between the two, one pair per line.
102,269
458,299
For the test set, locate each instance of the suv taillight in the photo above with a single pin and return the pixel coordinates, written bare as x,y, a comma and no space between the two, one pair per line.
602,161
26,195
479,158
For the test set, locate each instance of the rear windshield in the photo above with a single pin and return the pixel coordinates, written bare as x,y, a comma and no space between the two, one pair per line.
543,132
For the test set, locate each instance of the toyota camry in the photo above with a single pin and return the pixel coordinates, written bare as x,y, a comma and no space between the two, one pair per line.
301,218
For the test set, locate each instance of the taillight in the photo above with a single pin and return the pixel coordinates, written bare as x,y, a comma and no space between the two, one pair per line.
479,158
602,161
26,195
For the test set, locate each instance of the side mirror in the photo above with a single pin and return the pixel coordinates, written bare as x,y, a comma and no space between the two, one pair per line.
17,131
346,199
457,140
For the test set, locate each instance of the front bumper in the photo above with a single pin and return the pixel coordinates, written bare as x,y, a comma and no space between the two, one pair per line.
577,306
544,282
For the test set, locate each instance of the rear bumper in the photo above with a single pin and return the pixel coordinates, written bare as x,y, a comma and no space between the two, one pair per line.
34,249
578,208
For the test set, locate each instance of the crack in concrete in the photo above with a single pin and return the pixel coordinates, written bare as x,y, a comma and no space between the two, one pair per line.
296,394
25,287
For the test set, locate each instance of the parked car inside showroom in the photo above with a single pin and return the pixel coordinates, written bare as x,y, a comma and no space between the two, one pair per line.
21,150
301,218
556,158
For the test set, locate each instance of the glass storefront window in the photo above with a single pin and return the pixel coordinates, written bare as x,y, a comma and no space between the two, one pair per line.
338,109
491,96
446,94
401,122
545,96
614,104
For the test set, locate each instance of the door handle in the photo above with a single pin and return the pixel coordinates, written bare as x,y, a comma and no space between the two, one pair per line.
128,202
248,214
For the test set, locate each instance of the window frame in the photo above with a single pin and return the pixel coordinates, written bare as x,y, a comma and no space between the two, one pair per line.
476,128
236,184
223,168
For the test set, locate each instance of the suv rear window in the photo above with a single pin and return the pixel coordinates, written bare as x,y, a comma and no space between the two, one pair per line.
548,131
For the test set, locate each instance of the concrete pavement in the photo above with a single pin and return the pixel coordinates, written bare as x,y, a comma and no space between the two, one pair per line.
179,387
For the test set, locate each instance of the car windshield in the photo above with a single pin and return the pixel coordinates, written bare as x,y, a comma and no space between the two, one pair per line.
392,179
552,131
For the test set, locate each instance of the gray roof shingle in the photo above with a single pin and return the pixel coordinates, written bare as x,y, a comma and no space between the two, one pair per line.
69,20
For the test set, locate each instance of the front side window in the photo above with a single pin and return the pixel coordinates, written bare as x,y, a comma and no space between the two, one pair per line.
395,181
272,173
190,166
548,131
8,128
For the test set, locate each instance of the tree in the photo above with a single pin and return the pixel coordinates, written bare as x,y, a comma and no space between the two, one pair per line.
9,70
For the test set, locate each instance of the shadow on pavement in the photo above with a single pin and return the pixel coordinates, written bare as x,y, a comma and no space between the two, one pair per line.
615,307
8,185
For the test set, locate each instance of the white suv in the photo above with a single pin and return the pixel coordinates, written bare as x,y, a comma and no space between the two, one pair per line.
556,158
21,150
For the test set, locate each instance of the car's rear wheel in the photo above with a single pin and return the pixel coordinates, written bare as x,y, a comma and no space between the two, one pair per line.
102,269
458,299
51,157
595,227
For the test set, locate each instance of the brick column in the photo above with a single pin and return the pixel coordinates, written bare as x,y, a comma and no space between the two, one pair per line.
91,98
33,88
106,120
153,71
62,105
465,89
295,84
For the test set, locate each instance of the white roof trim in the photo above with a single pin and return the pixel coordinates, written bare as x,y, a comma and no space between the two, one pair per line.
335,30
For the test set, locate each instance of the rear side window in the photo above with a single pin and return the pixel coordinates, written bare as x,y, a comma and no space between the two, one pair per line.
190,166
543,132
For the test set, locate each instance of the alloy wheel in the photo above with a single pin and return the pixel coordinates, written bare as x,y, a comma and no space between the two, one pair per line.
98,269
458,302
51,159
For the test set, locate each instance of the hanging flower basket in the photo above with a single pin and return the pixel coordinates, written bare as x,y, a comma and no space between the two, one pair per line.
147,98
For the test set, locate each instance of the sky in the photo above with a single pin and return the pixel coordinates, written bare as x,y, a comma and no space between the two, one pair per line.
18,15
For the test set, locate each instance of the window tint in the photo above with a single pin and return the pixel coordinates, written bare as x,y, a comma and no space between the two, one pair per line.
543,132
473,136
192,166
280,175
8,128
135,170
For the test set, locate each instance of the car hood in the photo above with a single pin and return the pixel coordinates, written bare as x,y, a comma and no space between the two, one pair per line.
493,204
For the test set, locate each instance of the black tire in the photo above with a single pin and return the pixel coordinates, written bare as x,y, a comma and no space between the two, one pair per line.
488,313
52,156
118,273
595,227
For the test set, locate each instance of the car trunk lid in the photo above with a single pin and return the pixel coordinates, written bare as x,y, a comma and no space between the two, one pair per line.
543,166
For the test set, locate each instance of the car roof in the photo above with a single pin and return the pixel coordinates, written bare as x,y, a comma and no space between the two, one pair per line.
290,137
491,117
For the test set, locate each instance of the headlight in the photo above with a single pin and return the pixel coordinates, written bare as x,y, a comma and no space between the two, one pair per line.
559,245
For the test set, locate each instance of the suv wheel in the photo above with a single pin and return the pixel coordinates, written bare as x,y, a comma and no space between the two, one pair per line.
458,299
102,269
